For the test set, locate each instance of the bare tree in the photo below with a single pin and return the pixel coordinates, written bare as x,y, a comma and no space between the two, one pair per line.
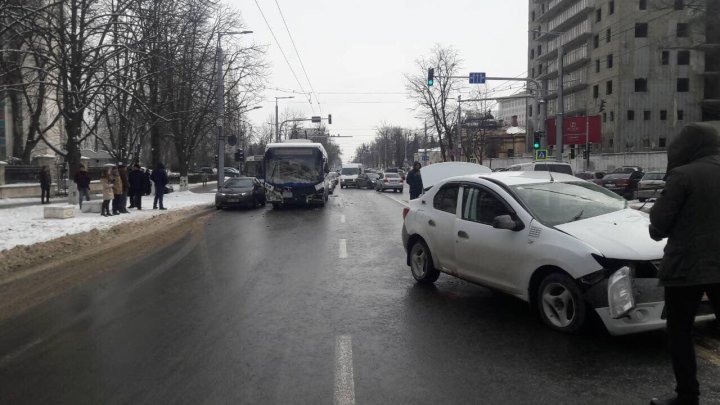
435,100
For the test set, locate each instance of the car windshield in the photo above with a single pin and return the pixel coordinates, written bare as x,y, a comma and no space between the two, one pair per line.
238,183
557,203
350,171
373,176
654,176
613,176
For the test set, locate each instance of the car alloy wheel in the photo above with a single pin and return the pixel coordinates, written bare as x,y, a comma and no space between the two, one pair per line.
560,303
421,264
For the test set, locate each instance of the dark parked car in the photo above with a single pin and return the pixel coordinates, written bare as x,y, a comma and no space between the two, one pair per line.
367,180
622,183
590,176
240,191
651,185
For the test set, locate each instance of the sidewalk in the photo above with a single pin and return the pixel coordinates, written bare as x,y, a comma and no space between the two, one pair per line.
26,225
6,203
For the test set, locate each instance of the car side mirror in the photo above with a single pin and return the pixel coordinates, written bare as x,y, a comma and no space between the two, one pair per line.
507,222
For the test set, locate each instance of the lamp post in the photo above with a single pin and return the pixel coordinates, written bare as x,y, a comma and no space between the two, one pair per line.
220,97
277,127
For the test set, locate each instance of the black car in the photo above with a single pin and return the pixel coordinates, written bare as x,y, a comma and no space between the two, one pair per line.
367,180
622,183
240,192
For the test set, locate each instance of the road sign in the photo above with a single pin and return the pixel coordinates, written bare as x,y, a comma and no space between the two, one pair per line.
477,77
316,119
232,140
541,154
424,158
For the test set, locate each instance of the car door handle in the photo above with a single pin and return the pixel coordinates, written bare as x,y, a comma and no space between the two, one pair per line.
463,235
431,222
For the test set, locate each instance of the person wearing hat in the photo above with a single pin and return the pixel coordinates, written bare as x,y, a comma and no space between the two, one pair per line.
82,180
686,214
136,179
414,180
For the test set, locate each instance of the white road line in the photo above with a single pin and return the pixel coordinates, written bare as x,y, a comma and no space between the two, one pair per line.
343,249
344,381
397,201
342,219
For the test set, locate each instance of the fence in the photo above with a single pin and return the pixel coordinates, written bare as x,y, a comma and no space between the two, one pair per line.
649,161
15,174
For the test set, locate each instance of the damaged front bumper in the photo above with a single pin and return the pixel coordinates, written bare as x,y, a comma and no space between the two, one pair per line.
638,308
296,195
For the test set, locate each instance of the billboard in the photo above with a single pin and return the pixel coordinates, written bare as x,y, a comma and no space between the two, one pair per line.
574,130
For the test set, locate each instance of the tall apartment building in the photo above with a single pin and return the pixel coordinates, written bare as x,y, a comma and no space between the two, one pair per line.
649,65
513,107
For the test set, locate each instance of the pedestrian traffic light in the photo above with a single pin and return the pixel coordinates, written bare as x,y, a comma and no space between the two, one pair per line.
572,151
239,155
536,140
586,154
431,76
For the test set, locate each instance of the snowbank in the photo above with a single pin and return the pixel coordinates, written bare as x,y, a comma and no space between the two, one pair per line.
26,225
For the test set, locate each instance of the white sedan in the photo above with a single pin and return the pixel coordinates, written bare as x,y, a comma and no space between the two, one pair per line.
566,246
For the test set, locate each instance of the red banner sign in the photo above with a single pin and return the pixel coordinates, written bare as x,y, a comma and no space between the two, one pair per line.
574,130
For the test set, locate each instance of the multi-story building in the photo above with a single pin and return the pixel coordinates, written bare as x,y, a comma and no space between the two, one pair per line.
510,107
645,66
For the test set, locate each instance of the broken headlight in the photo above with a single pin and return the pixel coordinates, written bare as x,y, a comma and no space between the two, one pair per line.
620,293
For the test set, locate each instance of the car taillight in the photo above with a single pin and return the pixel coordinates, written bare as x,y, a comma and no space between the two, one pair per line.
406,210
385,181
622,182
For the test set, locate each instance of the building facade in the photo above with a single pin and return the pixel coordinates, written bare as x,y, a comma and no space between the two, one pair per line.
646,67
508,108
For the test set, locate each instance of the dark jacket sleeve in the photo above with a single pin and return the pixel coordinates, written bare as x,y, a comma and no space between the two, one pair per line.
665,211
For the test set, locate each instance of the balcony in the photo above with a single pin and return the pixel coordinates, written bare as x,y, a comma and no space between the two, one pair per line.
553,9
575,36
572,15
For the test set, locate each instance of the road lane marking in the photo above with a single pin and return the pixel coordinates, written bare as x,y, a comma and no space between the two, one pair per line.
343,249
344,381
342,219
397,201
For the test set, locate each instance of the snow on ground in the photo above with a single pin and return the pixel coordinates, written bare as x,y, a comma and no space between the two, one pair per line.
26,225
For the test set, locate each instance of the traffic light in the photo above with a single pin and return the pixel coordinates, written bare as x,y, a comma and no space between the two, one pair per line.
431,76
239,155
329,119
602,105
572,151
586,154
536,140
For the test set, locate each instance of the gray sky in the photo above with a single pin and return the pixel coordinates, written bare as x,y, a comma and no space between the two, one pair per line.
355,54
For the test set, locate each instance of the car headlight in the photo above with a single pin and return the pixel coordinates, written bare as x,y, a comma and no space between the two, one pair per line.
221,194
620,294
243,194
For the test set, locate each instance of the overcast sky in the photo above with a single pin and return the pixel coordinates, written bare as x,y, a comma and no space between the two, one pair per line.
356,52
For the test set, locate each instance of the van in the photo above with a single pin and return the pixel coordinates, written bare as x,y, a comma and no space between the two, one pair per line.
557,167
349,174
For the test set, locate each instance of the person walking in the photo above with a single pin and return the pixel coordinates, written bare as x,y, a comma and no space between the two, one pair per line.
160,179
107,192
204,178
414,180
687,215
45,182
117,191
136,178
82,180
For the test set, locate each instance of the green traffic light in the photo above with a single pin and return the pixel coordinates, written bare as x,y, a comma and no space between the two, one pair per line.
430,82
536,145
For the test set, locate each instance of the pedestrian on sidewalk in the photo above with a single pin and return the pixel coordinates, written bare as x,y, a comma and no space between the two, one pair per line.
45,182
107,192
136,178
414,180
147,184
117,191
122,169
204,178
160,178
687,215
82,180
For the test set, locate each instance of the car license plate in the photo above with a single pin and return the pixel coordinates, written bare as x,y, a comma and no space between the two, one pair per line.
233,200
287,194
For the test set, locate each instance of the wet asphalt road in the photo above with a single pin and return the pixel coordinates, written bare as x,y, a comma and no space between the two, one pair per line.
311,306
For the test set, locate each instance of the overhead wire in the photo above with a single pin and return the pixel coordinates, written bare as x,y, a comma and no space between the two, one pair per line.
302,65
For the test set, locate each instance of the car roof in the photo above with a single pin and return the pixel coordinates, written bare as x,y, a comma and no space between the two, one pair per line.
519,177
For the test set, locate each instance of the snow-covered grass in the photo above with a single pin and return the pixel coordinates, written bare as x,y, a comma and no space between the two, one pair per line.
26,225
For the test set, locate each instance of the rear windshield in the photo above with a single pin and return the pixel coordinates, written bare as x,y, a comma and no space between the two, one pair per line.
392,175
654,176
239,183
349,171
617,176
543,167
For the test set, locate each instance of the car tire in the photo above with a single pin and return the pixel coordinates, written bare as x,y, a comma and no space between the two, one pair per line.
421,264
560,303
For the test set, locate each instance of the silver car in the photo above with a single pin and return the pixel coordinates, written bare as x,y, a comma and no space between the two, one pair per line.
651,185
389,181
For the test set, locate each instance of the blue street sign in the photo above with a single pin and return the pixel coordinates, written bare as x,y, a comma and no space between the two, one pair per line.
424,158
477,77
541,154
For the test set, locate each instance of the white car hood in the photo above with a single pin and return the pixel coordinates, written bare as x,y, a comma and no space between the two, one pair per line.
618,235
437,172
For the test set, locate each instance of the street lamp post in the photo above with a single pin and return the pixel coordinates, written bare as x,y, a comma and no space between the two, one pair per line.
220,98
277,127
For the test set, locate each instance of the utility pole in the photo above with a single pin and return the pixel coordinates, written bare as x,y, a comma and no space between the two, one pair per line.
277,126
459,124
560,107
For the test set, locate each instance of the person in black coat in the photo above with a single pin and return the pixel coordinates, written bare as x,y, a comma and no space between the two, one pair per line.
136,178
414,180
686,213
82,180
160,178
45,182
